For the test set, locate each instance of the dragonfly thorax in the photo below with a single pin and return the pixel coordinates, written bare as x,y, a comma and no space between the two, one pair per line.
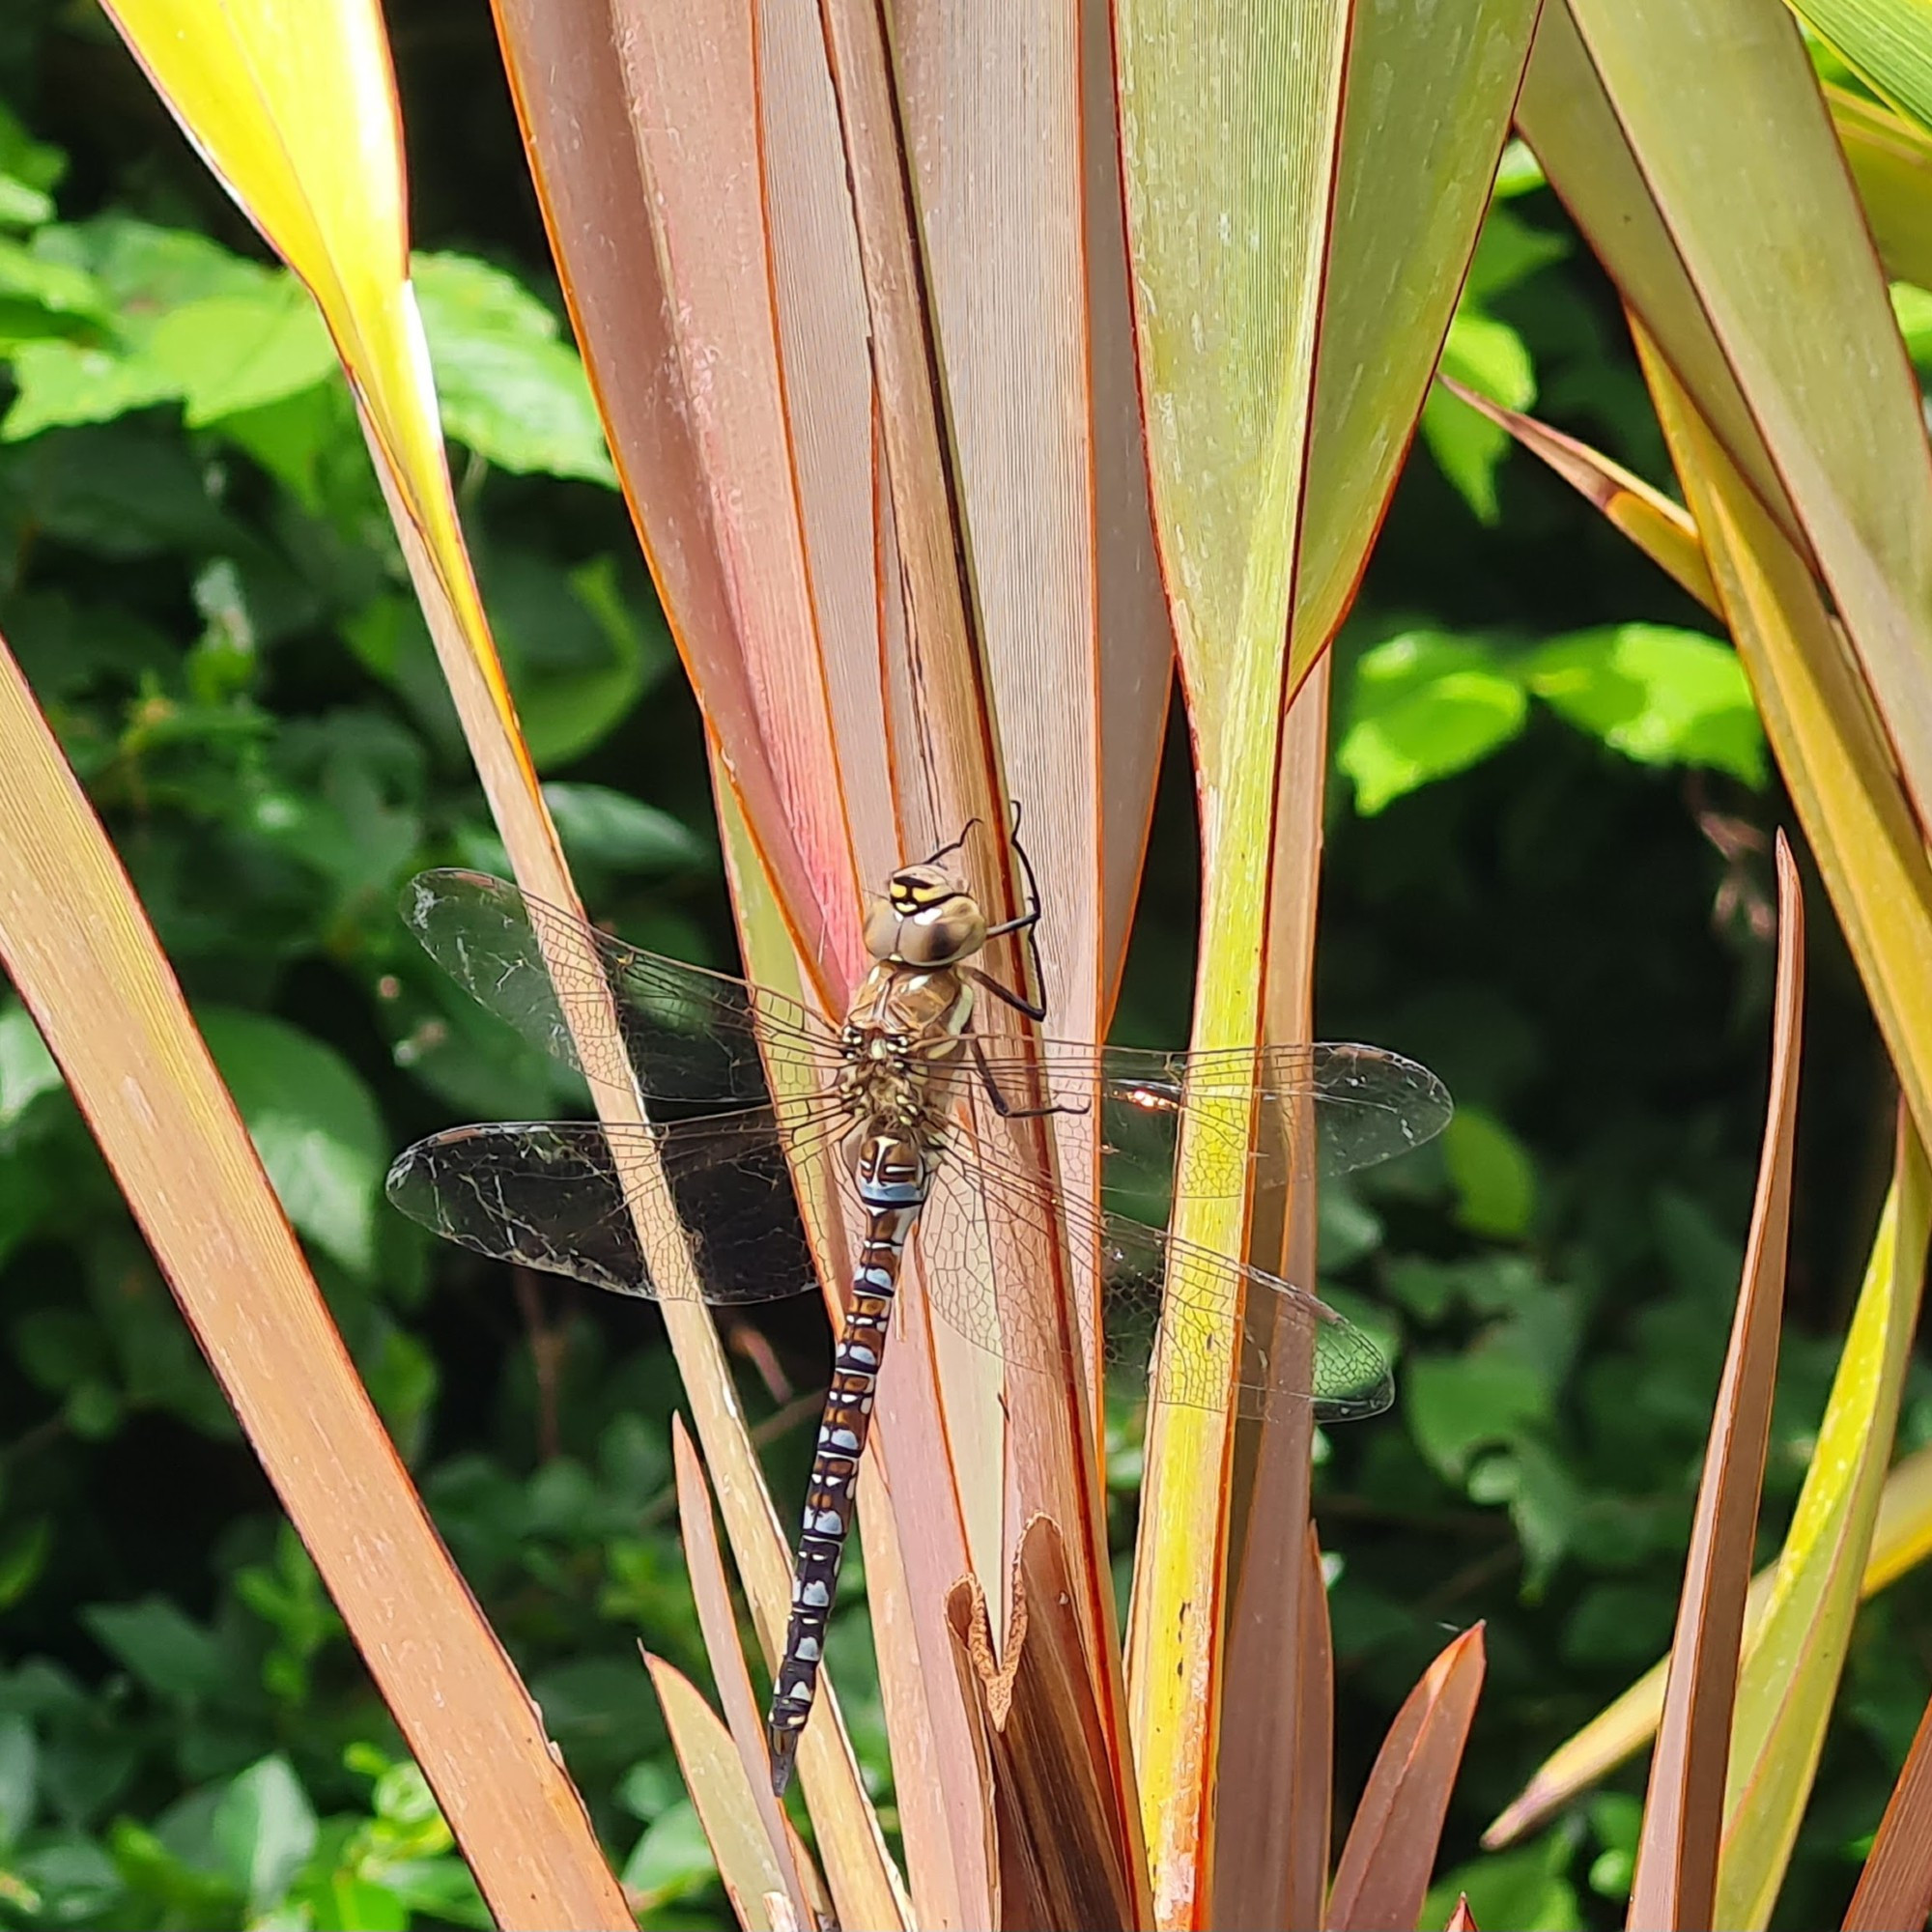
924,918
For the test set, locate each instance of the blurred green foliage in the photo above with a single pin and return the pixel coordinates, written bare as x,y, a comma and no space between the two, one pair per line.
1548,876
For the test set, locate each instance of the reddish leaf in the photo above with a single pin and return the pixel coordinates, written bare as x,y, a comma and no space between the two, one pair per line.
1385,1866
1676,1877
1896,1887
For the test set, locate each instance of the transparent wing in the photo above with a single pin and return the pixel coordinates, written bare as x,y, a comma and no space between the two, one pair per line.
688,1035
1289,1349
1324,1109
565,1195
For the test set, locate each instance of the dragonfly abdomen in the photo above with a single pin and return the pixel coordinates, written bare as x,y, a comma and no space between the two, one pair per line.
890,1175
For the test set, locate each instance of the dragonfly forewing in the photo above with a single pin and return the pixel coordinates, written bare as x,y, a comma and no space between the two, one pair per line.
684,1035
1329,1108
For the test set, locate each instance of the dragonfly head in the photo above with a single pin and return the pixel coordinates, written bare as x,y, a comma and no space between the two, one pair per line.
924,918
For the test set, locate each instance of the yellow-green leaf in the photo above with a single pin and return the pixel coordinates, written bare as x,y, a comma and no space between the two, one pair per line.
1791,1672
1883,43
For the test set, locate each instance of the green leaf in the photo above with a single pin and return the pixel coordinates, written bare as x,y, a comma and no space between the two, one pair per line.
23,1556
1348,1230
1509,251
1425,704
231,352
148,271
76,1881
1524,1888
1883,43
22,206
265,1829
35,164
314,1122
673,1859
1912,306
1543,1502
1659,696
60,1348
62,382
161,1647
402,1380
603,827
1457,1405
344,1902
510,390
19,1772
125,490
1491,357
1518,172
28,276
579,654
27,1069
345,799
1492,1174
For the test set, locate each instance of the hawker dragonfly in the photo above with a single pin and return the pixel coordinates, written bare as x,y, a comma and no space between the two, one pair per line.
910,1111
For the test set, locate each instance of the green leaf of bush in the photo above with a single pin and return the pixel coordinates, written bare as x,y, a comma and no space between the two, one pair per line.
1425,706
265,1829
1492,1174
510,390
314,1122
1661,697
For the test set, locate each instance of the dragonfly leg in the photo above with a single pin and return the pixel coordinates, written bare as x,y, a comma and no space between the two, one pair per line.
1020,1002
1027,923
1002,1106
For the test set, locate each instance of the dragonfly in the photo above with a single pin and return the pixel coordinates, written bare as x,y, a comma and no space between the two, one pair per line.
759,1111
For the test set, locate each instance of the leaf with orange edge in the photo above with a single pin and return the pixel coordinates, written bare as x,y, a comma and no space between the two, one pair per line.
1273,213
1790,1678
1462,1919
79,950
1057,1811
643,146
953,723
704,1563
1384,1867
1658,527
1895,1887
776,273
1269,1868
1676,1876
715,1775
1397,254
1724,213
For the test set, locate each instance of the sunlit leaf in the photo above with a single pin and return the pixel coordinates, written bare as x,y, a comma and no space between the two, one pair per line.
1883,43
1659,696
1425,704
1791,1672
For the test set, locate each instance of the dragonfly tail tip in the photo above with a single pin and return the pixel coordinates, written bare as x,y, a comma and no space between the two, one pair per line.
784,1748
